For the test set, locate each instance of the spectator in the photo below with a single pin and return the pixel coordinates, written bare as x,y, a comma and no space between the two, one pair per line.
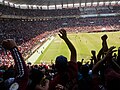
106,73
20,80
67,71
37,80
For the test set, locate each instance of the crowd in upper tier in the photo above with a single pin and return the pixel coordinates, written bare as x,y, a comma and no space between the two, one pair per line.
6,10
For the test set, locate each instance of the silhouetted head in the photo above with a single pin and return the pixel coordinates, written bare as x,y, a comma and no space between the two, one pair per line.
79,65
84,70
36,75
61,63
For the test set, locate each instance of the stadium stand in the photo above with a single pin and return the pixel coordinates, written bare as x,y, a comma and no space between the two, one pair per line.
30,28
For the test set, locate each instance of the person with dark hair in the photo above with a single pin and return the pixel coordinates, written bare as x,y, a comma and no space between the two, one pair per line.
20,80
85,78
37,80
66,77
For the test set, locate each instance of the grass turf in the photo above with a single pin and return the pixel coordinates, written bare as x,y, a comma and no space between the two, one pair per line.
83,42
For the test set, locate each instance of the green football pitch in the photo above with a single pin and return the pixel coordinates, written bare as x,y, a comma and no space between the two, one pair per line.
83,42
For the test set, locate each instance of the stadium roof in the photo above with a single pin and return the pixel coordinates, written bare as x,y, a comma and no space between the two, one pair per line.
55,2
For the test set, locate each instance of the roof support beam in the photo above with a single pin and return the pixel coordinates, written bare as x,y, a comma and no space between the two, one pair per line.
73,3
79,3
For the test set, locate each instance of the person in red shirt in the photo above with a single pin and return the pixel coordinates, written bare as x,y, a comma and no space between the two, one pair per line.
20,81
66,77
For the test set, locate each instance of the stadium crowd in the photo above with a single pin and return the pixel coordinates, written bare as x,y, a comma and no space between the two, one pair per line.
7,10
17,28
102,73
29,33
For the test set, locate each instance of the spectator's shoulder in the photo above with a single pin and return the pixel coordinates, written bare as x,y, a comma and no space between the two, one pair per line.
72,63
72,66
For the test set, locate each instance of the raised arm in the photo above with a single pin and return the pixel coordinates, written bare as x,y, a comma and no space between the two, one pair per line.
94,56
20,66
104,48
104,44
107,57
72,49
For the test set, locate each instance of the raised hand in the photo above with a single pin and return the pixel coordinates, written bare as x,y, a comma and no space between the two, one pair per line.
104,37
9,44
21,70
93,52
110,51
72,49
62,34
107,58
59,87
104,44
